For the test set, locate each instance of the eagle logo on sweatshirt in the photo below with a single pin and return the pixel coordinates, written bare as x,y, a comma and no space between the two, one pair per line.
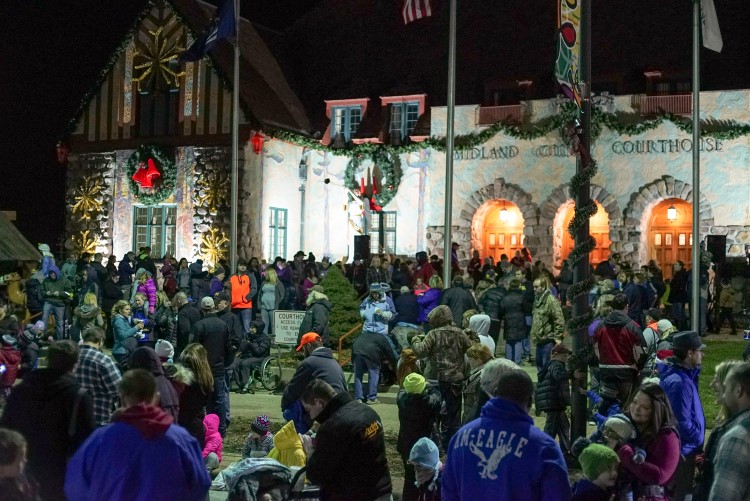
489,466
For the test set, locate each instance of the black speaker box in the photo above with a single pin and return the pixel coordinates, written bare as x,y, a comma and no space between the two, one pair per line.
717,246
362,246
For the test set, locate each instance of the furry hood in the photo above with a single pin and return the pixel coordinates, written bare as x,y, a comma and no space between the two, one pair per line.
179,374
440,316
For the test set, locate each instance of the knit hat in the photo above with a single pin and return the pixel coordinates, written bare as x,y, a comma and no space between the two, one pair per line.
164,349
596,459
414,383
425,453
622,426
261,424
607,391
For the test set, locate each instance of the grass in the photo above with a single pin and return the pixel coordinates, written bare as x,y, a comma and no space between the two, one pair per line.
715,353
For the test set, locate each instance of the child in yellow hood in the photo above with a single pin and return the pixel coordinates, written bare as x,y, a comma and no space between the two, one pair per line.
288,448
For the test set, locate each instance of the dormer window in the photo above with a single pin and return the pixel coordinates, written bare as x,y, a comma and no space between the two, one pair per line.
403,119
345,121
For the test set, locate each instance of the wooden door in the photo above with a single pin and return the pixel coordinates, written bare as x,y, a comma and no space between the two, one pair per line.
499,241
598,228
671,240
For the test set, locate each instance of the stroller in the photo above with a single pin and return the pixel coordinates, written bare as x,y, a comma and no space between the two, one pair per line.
264,479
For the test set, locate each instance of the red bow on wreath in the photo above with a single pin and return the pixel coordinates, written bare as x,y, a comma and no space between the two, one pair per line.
145,176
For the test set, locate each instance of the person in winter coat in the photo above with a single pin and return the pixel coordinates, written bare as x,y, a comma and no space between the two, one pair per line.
187,316
679,379
123,331
513,311
490,303
547,324
56,292
287,447
253,350
260,439
164,318
169,273
599,464
369,352
418,410
147,286
87,315
183,276
140,313
271,296
425,459
652,416
430,299
98,374
70,268
519,461
146,358
458,299
316,317
213,444
119,458
445,346
10,357
29,349
348,458
474,398
198,280
144,260
422,268
34,299
553,396
678,294
15,483
125,271
242,288
480,325
55,415
197,384
376,310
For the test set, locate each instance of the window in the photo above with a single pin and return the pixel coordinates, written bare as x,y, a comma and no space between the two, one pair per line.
277,233
155,227
388,233
403,118
346,121
157,113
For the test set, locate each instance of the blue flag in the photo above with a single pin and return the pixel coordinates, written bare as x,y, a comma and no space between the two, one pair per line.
222,26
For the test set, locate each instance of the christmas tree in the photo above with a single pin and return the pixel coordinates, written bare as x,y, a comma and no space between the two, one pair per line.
345,312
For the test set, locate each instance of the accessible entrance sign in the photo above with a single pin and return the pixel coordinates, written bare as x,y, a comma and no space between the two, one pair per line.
286,326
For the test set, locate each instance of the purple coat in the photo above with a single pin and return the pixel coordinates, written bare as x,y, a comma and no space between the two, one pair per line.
149,289
427,302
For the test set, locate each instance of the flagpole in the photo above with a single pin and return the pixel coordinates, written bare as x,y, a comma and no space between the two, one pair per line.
695,310
235,139
447,254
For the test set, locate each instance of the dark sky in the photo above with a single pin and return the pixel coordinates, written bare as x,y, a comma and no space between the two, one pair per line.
51,53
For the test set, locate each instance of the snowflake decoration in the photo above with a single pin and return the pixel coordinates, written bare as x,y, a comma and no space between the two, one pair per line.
88,198
212,190
84,242
159,52
213,246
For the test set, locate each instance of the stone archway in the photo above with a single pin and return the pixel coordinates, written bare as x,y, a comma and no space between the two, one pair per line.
638,213
552,210
467,228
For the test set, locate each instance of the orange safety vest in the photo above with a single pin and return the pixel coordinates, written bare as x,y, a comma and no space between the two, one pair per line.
240,286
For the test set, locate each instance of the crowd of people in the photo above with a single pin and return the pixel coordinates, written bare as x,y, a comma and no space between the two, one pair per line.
182,336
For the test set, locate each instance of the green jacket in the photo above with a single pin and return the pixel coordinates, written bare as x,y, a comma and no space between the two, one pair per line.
60,286
547,322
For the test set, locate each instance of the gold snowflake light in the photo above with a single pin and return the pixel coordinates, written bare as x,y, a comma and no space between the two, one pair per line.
88,198
158,53
84,242
212,190
213,246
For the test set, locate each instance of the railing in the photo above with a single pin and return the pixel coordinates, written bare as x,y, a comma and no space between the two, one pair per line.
489,115
681,104
341,344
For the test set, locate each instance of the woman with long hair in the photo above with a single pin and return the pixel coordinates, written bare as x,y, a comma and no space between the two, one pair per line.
88,314
122,330
717,385
197,390
271,295
652,416
164,318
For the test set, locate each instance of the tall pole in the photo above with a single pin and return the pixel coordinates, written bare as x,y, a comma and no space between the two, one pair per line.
695,310
235,140
447,259
582,269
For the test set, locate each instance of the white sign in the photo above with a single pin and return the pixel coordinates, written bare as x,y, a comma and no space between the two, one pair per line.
286,326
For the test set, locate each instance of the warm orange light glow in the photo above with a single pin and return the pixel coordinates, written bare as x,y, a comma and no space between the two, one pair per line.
504,215
671,213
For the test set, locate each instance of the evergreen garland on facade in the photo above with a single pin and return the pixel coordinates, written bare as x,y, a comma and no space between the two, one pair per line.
166,166
389,165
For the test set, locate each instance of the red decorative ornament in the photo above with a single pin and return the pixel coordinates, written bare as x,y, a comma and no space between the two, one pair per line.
373,206
63,150
257,141
362,186
145,175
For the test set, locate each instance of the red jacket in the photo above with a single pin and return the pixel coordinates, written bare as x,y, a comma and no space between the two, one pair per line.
11,358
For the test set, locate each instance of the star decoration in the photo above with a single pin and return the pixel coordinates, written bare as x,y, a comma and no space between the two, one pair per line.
88,198
158,53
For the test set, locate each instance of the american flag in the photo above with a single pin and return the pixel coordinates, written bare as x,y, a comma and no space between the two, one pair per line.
416,9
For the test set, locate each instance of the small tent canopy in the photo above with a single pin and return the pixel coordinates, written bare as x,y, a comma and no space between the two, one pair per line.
13,245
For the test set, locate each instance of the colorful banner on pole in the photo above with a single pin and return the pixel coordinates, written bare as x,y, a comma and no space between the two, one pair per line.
568,48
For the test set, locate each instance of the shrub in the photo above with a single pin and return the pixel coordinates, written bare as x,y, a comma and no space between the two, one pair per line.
345,312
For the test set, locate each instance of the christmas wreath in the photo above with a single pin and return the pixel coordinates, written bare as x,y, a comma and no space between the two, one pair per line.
151,187
390,170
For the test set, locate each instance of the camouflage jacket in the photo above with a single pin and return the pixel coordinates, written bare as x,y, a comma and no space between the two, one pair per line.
444,347
547,323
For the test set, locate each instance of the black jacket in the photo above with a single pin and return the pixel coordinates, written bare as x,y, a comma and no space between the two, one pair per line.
146,358
164,321
407,308
513,310
41,408
491,300
417,415
213,333
316,320
459,300
111,293
374,347
187,316
321,365
553,388
351,433
235,326
34,299
256,345
678,287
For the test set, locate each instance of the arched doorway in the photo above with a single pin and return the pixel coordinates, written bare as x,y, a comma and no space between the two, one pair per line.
503,230
670,234
598,228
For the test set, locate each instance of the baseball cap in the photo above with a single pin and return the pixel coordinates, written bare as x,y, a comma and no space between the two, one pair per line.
207,303
310,337
221,296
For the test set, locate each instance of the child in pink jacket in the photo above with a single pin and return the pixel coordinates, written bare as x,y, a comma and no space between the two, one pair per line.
214,442
147,286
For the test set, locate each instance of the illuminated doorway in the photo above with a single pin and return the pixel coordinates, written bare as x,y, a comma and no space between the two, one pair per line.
598,228
670,234
503,230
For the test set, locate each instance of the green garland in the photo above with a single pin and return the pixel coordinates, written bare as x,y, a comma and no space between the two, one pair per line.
165,164
389,164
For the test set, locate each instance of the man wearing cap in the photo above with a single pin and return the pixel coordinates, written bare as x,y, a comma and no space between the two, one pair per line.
243,286
214,335
187,316
318,364
679,379
553,396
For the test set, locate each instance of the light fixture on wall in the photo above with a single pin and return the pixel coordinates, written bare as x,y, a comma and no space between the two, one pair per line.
504,214
671,213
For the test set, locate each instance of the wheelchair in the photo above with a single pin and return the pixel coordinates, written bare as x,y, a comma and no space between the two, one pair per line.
268,372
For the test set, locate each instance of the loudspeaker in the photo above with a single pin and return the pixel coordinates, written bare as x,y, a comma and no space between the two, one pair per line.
717,246
362,246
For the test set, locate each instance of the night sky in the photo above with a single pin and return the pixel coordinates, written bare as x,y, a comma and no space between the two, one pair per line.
52,51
